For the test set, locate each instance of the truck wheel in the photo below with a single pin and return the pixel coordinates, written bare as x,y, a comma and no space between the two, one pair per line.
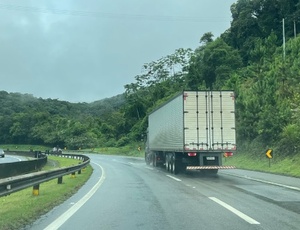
147,161
175,167
167,163
154,161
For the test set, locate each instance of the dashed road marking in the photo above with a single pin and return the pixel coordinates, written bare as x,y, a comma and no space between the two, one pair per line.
235,211
174,178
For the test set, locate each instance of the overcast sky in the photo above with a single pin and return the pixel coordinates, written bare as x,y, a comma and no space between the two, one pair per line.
87,50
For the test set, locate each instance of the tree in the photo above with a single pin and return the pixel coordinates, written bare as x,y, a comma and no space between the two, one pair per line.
254,19
212,65
206,38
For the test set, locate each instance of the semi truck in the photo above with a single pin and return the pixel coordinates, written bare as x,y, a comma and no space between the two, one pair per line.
194,130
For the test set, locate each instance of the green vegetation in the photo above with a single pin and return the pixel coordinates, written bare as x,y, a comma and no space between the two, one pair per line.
248,58
279,165
21,208
135,150
24,147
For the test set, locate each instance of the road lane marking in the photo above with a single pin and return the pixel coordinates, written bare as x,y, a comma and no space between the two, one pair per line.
71,211
19,159
273,183
235,211
174,178
149,168
264,181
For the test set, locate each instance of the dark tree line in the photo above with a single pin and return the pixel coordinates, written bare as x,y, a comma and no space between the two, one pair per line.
248,58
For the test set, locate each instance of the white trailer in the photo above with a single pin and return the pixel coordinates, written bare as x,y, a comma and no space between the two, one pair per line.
192,131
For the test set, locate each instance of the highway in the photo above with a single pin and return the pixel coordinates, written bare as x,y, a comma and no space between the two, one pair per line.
10,159
124,193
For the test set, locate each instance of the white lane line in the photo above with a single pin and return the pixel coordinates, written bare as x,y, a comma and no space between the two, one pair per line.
235,211
65,216
149,168
174,178
19,159
264,181
273,183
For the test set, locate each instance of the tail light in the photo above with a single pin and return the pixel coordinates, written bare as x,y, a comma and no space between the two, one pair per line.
192,154
228,154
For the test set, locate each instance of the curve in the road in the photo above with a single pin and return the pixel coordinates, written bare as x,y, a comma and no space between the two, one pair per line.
64,217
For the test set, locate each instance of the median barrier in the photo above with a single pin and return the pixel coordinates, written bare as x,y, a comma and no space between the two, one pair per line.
16,183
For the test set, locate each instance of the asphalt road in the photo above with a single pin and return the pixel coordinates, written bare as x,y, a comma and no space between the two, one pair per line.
10,159
123,193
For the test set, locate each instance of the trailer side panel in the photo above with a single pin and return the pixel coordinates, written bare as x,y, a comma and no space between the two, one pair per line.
166,127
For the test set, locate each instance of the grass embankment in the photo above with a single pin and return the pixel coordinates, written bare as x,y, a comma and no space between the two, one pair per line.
133,150
24,147
22,208
279,165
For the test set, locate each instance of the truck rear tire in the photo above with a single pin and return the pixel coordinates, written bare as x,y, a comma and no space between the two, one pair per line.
167,163
176,167
154,161
147,159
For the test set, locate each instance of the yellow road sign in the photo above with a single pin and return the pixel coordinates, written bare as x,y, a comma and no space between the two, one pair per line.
269,153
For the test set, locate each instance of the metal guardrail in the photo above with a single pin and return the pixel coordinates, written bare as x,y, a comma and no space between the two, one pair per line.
35,162
13,184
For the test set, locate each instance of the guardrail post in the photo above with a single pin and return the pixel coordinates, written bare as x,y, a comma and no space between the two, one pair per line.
79,171
59,180
73,175
36,190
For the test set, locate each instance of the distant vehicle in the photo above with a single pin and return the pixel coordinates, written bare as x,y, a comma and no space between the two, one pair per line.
2,153
57,150
194,130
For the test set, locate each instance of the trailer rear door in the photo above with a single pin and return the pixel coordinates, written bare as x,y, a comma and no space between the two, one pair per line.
209,120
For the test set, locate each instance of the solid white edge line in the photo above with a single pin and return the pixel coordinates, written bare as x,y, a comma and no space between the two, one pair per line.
273,183
19,159
174,178
235,211
264,181
66,215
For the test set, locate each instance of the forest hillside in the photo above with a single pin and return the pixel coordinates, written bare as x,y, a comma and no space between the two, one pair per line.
253,57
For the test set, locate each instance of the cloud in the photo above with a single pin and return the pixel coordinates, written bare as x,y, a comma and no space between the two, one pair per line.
79,51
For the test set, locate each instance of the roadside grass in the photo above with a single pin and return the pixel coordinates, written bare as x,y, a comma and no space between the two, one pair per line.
24,147
22,208
288,165
134,150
